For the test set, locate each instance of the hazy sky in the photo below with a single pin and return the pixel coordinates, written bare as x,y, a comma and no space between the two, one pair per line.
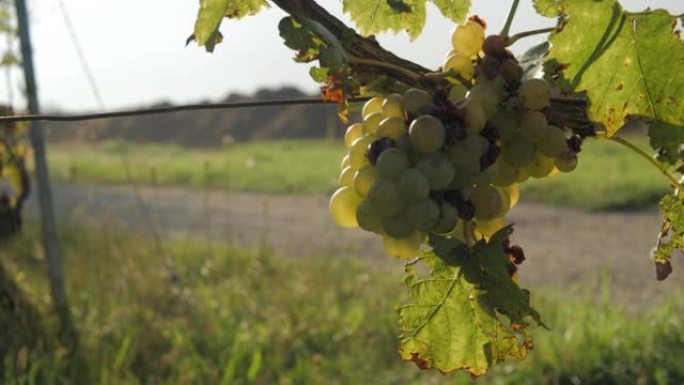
136,50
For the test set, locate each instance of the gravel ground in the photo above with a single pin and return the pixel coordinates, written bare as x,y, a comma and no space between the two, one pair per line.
564,247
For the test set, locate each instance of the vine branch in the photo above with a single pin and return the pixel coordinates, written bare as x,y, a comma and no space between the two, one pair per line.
675,183
509,20
514,39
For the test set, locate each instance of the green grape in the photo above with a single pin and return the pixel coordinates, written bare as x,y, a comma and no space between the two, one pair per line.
462,180
392,127
461,64
372,122
448,218
506,124
398,227
465,154
415,99
354,132
393,106
385,196
424,214
505,201
554,143
468,38
490,227
513,194
403,248
487,201
373,105
427,134
347,176
345,162
567,161
368,218
535,94
541,167
404,143
506,175
457,92
474,116
523,175
358,152
364,178
413,185
488,175
533,125
343,204
488,96
392,163
518,152
437,169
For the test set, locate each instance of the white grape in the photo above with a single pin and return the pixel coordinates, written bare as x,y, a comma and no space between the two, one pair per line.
393,106
347,176
567,161
424,214
364,179
554,143
385,196
533,125
487,201
518,152
415,99
448,218
373,105
368,218
427,134
392,163
343,204
358,152
468,38
403,248
353,132
437,169
475,116
457,92
535,94
398,227
461,64
541,167
488,95
413,185
392,127
371,122
506,124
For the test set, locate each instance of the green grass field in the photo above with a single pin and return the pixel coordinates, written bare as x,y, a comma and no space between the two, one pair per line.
190,314
608,177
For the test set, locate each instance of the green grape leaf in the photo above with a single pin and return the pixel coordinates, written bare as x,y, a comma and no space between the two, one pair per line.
671,237
375,16
212,12
629,64
456,316
548,8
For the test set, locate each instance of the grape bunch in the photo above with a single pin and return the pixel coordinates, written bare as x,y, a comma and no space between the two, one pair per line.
448,160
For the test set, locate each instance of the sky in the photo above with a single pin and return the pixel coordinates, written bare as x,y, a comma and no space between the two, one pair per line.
137,55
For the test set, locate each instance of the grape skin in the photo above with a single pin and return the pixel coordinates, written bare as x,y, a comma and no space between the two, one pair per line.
371,122
413,185
392,163
468,38
554,143
374,104
346,176
398,227
367,217
437,169
475,116
358,152
414,99
393,106
487,201
461,64
403,248
535,94
424,214
567,161
392,127
364,179
343,204
518,152
353,132
427,134
384,194
533,125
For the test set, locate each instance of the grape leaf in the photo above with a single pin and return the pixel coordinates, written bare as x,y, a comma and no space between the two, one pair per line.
375,16
212,12
548,8
671,237
630,64
455,318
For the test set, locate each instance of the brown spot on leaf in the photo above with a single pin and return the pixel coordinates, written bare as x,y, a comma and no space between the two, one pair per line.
619,87
663,269
421,363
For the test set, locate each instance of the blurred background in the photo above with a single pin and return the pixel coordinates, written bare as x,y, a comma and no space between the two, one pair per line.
198,247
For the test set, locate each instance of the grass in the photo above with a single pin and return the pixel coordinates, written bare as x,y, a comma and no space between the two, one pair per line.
188,314
608,176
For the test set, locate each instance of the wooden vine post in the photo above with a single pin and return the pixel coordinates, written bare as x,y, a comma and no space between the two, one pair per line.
49,228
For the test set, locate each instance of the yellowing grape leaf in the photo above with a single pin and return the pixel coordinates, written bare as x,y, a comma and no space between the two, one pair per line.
548,8
630,64
468,313
212,12
375,16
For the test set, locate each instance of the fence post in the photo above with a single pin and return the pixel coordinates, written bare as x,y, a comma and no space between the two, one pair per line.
49,229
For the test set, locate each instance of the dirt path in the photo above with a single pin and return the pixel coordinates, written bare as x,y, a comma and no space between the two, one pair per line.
562,246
